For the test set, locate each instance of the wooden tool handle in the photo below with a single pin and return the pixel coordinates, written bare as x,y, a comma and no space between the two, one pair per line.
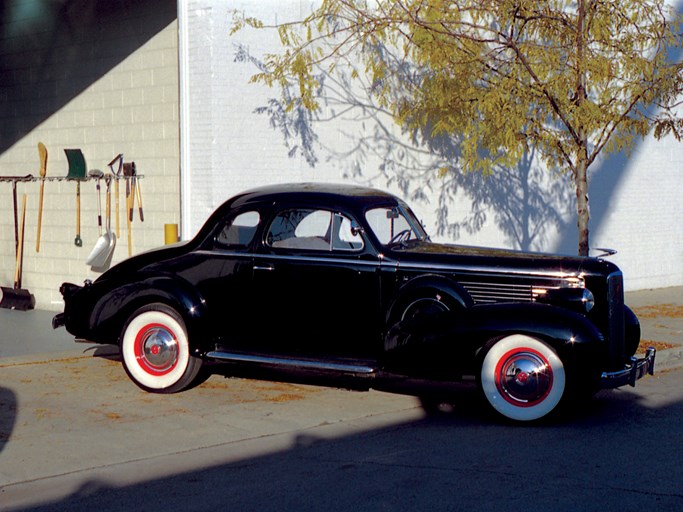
20,251
40,214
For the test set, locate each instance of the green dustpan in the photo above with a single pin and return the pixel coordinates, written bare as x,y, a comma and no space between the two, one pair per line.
76,164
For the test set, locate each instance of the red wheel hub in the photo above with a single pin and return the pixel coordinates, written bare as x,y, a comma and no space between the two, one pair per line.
156,349
524,377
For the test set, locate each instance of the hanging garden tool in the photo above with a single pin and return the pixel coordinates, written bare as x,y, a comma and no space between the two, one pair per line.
117,175
98,175
15,180
101,255
138,193
76,172
128,173
17,297
42,152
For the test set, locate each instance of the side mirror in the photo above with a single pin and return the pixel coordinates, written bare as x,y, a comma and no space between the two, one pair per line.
356,228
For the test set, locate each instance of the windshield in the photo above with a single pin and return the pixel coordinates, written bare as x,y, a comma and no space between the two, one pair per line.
393,225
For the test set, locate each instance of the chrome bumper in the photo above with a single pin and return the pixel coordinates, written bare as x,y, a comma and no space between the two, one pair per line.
633,371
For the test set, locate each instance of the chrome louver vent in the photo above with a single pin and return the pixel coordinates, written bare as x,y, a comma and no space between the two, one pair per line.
483,293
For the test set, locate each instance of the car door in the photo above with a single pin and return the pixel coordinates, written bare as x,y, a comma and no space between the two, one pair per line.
226,282
318,283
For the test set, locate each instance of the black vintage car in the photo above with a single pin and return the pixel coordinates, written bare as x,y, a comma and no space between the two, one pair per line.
339,280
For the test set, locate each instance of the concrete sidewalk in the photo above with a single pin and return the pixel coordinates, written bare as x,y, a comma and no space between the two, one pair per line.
660,312
29,334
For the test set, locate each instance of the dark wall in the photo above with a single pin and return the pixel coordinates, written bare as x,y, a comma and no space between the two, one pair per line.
50,51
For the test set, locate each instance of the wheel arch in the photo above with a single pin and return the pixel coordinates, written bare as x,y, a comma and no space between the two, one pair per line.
436,286
573,336
110,313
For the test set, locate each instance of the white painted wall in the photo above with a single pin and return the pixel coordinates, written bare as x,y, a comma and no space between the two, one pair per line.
636,201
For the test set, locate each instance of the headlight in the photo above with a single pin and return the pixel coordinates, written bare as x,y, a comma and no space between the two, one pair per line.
588,299
581,300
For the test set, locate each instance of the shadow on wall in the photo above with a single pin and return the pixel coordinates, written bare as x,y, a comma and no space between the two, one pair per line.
532,208
51,51
603,181
528,204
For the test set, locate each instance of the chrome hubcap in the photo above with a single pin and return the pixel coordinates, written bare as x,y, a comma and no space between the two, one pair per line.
524,378
159,349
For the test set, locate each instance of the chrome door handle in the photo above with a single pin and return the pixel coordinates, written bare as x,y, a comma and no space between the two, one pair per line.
264,267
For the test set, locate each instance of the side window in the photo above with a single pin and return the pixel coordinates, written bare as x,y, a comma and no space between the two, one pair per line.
311,229
346,238
240,231
300,229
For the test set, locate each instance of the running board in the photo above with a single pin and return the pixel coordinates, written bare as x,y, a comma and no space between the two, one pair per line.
294,364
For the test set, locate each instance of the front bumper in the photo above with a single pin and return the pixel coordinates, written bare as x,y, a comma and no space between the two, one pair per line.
636,369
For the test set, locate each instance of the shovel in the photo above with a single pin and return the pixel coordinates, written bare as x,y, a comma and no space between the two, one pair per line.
100,256
76,172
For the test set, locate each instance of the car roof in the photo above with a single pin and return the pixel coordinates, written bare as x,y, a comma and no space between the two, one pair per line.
322,193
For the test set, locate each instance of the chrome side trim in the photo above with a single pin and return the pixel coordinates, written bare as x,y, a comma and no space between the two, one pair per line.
315,259
475,270
293,363
615,317
500,291
634,371
290,257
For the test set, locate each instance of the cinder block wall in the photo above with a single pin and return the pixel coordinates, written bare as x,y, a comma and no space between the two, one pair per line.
105,80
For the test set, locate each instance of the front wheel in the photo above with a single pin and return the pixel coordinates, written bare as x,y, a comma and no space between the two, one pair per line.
522,378
156,351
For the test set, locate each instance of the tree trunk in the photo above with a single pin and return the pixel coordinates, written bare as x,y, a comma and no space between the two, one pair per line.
582,210
581,176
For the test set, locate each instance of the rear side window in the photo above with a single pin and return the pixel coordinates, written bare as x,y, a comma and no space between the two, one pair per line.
313,229
239,231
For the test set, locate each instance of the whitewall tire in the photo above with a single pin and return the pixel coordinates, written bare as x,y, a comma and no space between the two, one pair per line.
522,378
156,350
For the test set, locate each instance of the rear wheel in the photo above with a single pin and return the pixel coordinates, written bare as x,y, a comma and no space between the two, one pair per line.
156,351
522,378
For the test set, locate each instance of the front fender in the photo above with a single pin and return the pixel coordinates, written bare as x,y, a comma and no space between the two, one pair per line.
451,294
452,342
112,308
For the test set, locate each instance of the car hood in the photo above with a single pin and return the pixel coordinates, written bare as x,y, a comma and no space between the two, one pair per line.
503,260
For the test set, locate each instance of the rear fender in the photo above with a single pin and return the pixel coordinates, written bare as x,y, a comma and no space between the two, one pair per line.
114,307
456,340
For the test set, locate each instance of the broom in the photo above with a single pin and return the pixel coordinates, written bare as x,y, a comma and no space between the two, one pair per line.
17,297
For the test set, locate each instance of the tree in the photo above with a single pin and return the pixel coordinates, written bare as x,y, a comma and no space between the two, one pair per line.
568,80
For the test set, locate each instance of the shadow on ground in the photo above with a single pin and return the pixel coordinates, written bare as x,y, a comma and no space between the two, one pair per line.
595,457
